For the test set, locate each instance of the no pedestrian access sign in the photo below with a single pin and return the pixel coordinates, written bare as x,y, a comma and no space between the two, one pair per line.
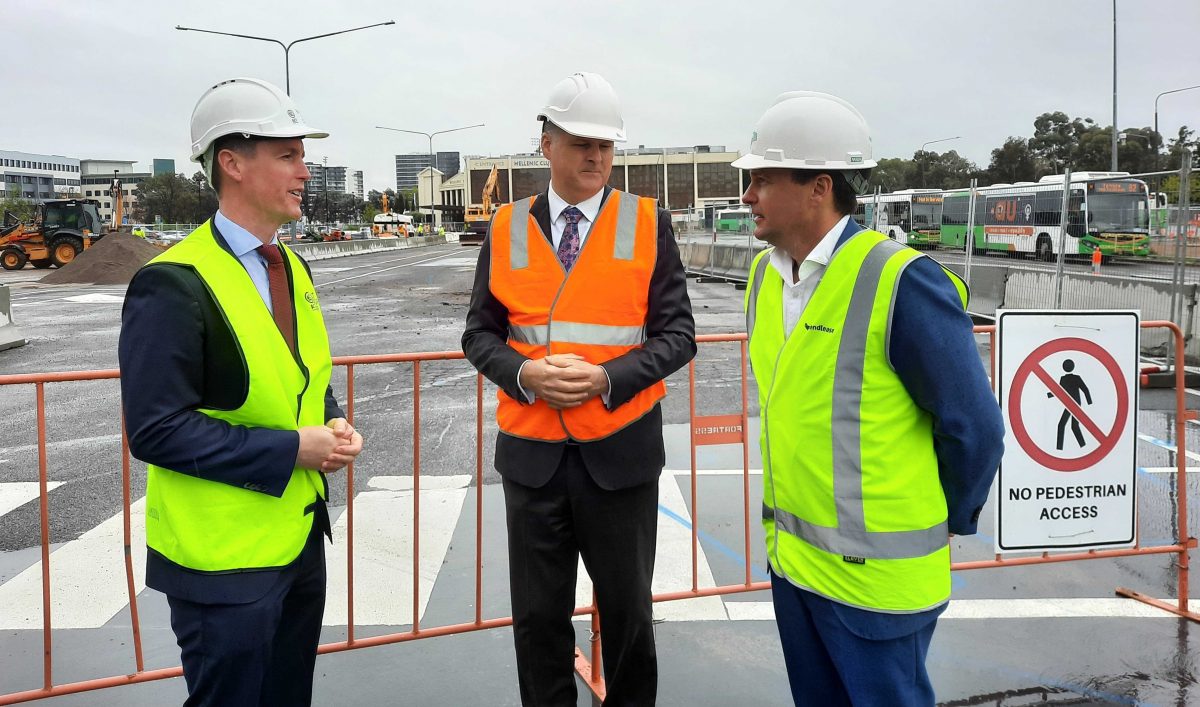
1067,385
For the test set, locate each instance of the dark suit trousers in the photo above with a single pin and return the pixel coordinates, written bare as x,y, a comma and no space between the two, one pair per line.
614,532
258,653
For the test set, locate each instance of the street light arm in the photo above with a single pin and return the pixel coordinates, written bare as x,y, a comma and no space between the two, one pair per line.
451,130
402,130
231,34
342,31
945,139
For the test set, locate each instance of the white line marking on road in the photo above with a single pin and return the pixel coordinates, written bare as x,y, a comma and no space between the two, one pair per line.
87,578
376,272
62,444
1166,469
1162,443
672,567
713,472
15,494
383,548
449,262
96,298
998,609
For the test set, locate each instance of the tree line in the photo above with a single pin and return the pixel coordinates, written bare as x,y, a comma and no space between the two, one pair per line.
1057,142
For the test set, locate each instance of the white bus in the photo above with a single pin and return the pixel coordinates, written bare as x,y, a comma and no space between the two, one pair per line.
1105,210
909,216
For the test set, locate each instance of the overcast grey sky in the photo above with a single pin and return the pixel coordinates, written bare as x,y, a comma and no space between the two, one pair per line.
113,79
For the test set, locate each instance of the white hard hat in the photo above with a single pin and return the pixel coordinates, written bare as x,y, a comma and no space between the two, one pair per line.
585,105
809,130
252,107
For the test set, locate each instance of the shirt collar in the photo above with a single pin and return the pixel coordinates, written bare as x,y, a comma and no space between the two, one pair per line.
818,256
239,240
589,207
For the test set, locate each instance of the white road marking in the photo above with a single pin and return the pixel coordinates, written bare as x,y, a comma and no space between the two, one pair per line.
1067,608
383,548
17,493
96,298
713,472
672,567
61,444
1161,443
87,579
450,262
1166,469
383,270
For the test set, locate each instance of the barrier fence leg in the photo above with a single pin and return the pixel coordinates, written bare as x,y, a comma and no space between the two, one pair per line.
592,672
1186,543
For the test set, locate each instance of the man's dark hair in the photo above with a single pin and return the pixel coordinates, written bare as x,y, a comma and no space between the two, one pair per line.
844,198
240,143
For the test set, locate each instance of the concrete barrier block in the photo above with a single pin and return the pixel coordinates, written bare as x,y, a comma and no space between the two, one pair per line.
10,335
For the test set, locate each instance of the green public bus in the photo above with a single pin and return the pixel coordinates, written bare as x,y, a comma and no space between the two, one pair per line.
737,220
1105,210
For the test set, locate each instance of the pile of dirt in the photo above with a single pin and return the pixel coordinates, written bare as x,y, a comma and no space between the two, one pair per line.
112,260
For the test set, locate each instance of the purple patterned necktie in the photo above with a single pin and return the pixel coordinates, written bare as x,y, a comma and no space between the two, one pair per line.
568,247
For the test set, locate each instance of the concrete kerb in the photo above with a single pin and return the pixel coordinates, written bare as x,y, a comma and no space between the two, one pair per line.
339,249
10,335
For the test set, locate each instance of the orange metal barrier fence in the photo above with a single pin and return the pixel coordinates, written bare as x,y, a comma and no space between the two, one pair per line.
704,430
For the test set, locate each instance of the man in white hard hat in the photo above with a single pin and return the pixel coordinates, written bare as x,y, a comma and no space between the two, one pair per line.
578,313
880,433
225,371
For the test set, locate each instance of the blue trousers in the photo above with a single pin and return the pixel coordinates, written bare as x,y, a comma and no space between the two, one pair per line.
258,653
831,660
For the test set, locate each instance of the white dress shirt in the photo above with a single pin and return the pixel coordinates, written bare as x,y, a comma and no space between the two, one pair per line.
796,294
558,223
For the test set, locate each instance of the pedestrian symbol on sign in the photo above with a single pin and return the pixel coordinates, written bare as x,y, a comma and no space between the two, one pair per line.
1074,385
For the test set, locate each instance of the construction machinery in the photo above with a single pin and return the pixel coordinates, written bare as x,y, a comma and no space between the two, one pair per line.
59,231
477,218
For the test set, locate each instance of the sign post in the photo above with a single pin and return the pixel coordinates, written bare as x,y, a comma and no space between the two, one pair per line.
1067,386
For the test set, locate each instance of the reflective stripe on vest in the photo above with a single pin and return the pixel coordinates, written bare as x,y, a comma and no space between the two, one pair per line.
848,550
553,311
208,526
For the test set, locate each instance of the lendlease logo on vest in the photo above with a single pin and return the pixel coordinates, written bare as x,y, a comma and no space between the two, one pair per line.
818,327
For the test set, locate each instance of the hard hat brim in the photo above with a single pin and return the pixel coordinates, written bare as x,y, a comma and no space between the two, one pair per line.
592,131
300,131
760,162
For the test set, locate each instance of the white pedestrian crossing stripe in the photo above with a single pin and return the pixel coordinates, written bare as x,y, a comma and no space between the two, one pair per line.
16,494
383,548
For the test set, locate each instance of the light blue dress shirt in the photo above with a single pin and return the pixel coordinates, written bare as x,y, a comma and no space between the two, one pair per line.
244,245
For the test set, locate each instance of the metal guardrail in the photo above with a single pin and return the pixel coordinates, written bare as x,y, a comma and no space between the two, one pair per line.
720,429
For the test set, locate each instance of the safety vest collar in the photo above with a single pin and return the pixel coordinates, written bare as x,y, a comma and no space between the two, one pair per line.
623,244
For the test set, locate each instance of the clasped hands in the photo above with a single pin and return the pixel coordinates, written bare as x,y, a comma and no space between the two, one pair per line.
563,380
329,447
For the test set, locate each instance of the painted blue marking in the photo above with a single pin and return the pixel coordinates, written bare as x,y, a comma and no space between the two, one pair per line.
717,545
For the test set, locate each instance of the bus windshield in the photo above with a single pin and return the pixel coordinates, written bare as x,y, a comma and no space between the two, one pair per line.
926,215
1117,212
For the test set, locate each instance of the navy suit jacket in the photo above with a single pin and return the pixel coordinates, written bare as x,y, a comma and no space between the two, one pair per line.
633,455
177,354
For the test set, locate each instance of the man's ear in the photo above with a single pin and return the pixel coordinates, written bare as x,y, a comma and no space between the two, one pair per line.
231,163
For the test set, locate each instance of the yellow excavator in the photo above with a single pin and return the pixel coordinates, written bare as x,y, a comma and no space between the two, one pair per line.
477,218
59,231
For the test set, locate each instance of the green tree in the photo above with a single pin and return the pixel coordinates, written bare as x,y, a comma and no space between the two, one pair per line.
893,174
1012,162
171,196
23,209
206,199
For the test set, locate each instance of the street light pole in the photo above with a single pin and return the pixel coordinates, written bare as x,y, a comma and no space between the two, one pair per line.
431,158
1114,125
287,48
1174,90
931,142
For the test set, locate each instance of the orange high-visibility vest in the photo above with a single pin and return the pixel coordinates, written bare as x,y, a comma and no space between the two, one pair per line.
598,310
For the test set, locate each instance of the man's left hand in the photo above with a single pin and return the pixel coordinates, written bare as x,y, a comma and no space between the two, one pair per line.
349,448
596,377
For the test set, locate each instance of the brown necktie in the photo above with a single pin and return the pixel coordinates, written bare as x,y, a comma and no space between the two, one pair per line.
281,299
